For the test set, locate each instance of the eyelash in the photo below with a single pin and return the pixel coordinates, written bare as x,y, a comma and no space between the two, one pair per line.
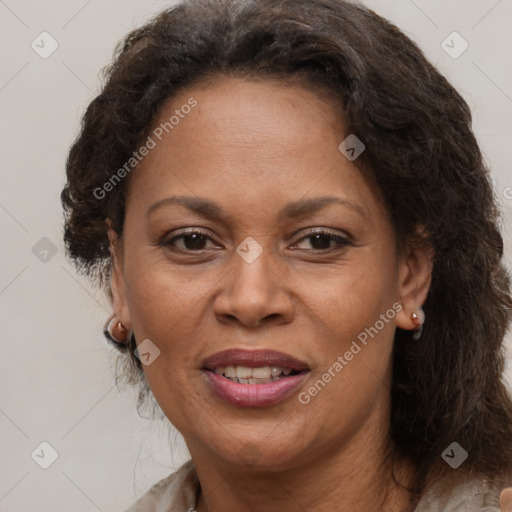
341,241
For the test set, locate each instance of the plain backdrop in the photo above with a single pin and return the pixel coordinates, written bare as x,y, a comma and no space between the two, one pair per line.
56,369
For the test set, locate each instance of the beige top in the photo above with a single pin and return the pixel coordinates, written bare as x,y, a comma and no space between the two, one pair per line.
179,493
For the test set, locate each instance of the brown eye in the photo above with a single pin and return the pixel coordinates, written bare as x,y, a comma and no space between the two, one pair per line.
189,241
323,241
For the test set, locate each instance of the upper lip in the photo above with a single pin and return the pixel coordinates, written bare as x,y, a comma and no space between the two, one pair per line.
253,359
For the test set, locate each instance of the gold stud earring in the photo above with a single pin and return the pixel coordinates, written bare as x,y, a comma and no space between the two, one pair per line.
115,331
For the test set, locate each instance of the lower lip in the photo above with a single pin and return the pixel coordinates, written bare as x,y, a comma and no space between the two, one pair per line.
254,395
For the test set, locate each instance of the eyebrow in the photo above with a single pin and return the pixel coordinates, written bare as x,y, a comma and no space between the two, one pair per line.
297,209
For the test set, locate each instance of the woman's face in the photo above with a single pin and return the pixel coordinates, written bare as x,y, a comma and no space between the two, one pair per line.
261,155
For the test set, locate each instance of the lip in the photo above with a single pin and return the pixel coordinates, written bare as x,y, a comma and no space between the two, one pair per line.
254,395
253,359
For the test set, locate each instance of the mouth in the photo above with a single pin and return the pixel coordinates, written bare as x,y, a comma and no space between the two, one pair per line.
254,364
258,375
254,378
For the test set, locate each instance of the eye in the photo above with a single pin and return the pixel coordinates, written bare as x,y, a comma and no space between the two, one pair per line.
321,240
188,241
196,241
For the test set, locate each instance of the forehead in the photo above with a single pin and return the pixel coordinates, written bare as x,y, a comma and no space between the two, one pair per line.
240,111
244,139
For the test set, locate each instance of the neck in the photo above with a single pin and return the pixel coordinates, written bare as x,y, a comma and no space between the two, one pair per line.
355,477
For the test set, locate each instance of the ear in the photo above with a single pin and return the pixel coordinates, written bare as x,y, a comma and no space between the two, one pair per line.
414,278
117,285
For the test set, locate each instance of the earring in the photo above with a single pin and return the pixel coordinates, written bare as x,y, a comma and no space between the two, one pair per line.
115,331
418,319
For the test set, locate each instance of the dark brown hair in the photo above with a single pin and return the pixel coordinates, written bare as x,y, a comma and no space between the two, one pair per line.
420,151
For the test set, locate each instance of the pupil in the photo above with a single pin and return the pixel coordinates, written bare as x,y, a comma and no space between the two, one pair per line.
197,241
323,239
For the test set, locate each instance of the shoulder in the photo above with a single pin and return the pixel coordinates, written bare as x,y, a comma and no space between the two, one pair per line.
177,492
473,494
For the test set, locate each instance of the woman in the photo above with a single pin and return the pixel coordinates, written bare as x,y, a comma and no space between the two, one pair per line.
290,211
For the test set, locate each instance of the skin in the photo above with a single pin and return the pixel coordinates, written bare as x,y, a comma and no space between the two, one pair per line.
506,500
253,147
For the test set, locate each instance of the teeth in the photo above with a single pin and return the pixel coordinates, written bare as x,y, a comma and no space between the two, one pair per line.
243,372
261,373
229,371
246,375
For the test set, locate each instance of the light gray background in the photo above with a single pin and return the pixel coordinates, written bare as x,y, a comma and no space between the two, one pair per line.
56,370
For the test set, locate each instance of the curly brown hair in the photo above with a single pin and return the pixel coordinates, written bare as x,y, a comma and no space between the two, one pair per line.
420,152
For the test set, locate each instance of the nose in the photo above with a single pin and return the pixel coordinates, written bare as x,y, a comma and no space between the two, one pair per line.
253,294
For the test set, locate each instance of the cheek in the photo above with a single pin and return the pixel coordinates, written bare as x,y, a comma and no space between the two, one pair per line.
163,309
356,317
160,294
354,352
162,305
353,297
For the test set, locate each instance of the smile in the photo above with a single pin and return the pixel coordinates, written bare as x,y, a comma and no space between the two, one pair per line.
254,378
260,375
